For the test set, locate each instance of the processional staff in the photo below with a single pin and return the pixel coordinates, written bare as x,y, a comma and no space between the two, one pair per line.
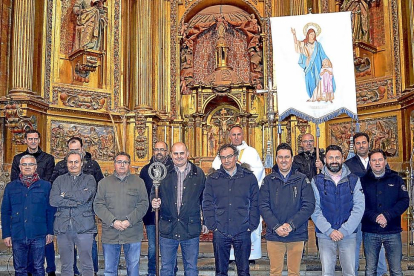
157,171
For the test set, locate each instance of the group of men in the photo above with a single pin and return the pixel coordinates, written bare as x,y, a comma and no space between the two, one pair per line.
229,202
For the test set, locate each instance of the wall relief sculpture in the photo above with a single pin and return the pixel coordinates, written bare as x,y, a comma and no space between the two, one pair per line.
383,133
221,120
18,121
98,140
370,92
221,46
141,145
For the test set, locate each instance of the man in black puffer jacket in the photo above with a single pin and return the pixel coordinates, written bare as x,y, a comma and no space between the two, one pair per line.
286,203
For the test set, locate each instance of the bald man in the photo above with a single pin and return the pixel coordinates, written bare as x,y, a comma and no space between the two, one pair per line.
179,201
306,161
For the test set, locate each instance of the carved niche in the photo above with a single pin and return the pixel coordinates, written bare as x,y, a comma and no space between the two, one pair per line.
221,47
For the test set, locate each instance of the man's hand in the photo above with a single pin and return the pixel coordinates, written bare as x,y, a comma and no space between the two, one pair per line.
156,203
336,235
284,230
319,164
381,220
125,224
49,239
118,225
8,242
204,229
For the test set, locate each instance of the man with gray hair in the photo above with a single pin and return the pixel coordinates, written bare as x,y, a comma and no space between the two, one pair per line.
73,194
121,202
27,218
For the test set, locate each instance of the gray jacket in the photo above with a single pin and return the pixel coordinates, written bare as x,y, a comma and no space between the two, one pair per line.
125,199
74,207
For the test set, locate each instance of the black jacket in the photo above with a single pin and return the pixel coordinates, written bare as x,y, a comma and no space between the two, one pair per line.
292,202
304,162
45,164
89,167
187,224
356,167
386,195
230,203
149,218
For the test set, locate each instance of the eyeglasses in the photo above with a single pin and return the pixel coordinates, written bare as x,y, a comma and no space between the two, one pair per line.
162,150
307,141
230,156
121,162
28,164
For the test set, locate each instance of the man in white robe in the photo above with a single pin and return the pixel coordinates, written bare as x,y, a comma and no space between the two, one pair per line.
249,156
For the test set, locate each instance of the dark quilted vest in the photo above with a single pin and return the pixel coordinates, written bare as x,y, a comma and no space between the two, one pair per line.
336,201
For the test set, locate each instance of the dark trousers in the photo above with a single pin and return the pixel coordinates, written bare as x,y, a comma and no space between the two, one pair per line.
242,246
22,249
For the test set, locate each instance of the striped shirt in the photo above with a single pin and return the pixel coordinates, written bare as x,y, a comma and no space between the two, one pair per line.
180,184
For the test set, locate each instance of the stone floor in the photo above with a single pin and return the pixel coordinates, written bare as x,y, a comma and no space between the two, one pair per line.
310,263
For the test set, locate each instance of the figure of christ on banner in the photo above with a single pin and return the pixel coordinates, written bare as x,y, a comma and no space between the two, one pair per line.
320,83
314,71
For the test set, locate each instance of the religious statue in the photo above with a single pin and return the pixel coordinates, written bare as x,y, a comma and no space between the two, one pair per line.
360,18
91,20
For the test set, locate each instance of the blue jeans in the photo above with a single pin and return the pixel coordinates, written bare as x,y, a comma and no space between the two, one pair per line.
382,265
112,252
50,259
94,257
393,248
151,249
21,249
242,247
346,249
189,250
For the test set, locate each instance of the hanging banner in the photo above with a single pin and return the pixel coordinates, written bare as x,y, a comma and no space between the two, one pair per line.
313,64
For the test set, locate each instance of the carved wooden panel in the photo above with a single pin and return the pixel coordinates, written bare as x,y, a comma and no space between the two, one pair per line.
97,139
383,133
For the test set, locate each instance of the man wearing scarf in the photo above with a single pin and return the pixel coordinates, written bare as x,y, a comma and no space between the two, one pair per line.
27,218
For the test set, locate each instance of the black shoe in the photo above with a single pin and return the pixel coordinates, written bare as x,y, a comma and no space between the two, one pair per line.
252,262
51,273
29,274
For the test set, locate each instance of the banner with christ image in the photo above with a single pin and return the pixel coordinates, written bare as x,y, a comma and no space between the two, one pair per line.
313,64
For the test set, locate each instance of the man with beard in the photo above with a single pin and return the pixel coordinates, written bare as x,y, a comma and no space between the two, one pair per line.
306,162
248,157
160,155
339,208
359,165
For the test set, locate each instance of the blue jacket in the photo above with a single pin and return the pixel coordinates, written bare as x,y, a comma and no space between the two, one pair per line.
230,203
386,195
26,212
289,202
187,224
338,207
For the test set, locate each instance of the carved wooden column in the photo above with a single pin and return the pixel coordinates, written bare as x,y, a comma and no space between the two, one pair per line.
22,46
142,86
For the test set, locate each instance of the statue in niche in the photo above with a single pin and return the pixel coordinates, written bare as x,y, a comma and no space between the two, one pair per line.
91,20
360,18
229,49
